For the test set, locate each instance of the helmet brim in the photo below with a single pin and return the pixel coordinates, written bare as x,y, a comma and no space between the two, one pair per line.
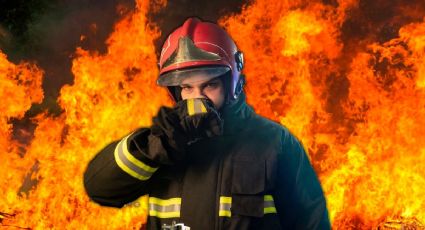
176,77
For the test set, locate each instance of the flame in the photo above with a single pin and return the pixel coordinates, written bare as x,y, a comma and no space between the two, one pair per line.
106,101
358,110
362,129
20,87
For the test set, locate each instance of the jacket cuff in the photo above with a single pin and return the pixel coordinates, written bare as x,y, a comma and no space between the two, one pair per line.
131,161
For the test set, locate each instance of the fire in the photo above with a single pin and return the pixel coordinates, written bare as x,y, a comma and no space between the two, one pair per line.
106,101
20,87
364,135
359,112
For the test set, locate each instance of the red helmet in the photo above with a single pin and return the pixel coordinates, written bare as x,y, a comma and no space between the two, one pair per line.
200,47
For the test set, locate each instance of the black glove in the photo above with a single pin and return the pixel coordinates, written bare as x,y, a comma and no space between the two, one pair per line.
199,118
186,123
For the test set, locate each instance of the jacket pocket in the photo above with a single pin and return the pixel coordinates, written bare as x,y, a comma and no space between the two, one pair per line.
248,185
249,176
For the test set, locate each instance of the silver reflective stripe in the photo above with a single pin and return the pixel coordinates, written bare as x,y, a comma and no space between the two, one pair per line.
199,106
225,207
268,204
164,208
169,208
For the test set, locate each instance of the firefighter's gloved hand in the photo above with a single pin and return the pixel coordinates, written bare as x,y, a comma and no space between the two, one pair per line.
166,126
199,119
190,120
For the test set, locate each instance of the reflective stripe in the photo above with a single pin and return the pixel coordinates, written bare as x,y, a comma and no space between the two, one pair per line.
190,107
203,108
226,205
269,204
129,164
169,208
195,106
200,107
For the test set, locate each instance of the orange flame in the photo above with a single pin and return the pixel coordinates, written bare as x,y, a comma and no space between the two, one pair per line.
368,149
359,115
106,101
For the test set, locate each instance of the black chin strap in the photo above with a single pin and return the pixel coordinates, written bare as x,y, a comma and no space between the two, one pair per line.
229,99
175,92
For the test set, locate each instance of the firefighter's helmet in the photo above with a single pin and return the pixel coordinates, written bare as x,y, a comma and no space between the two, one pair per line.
199,47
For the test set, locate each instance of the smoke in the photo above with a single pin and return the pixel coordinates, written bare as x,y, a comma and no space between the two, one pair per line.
380,20
50,38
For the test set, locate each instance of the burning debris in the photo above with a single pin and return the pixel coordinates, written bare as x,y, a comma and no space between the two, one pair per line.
401,224
5,216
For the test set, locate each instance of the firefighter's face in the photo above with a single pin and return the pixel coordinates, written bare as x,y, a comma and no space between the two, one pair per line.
201,86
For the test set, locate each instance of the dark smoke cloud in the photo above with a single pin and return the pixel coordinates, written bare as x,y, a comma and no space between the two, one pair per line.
50,39
379,20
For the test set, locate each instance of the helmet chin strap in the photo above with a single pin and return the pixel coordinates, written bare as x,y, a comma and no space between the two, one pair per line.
230,100
175,92
239,85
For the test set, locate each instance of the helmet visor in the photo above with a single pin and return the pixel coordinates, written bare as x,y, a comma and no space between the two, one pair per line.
176,77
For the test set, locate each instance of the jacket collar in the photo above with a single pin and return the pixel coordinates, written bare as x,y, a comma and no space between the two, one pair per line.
235,115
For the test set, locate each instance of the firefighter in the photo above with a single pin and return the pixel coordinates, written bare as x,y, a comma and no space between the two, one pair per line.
209,162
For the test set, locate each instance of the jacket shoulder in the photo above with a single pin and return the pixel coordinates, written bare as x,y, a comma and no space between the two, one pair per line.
263,123
273,130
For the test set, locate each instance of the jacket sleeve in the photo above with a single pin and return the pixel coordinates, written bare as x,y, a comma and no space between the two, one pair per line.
123,170
299,198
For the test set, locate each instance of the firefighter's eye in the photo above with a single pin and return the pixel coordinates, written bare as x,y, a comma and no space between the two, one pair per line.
212,85
186,88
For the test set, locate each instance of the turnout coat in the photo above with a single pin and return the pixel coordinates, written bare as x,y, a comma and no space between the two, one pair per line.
255,176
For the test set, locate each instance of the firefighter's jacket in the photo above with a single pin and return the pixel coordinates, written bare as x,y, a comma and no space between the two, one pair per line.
255,176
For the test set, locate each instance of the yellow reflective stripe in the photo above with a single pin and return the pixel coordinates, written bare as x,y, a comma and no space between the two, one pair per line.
224,213
164,214
133,160
190,107
203,108
268,198
225,199
171,201
270,210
